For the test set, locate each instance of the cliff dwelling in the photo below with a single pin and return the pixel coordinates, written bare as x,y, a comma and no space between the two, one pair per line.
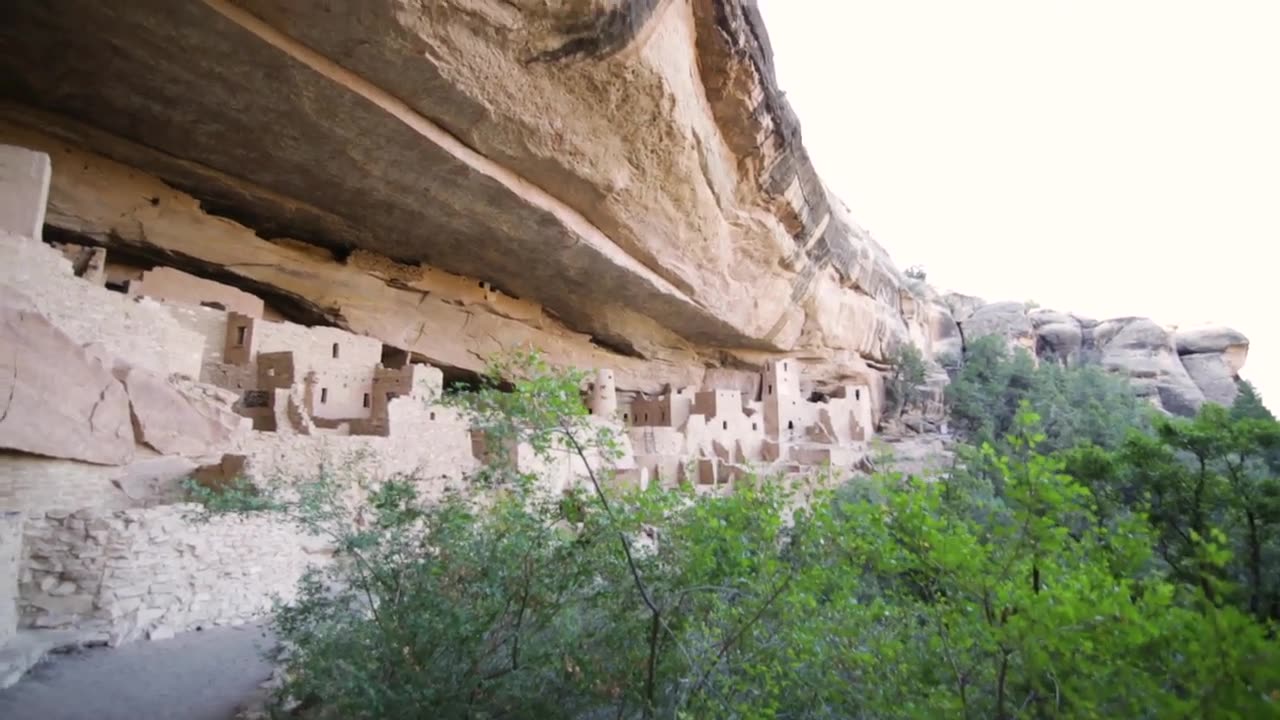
210,381
238,243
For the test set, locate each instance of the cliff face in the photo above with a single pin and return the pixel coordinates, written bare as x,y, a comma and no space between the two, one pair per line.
620,183
628,168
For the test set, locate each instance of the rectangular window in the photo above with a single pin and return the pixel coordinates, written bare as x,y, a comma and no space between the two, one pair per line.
324,395
241,332
366,399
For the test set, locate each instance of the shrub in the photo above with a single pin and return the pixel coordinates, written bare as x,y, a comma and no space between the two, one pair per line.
1077,404
884,599
905,384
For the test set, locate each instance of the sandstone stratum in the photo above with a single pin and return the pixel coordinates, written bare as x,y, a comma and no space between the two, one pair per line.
258,237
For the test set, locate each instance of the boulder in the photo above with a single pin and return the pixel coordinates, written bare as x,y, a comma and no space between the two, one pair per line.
179,417
1231,344
1208,339
55,399
1214,376
945,337
1006,319
962,306
1144,352
1059,336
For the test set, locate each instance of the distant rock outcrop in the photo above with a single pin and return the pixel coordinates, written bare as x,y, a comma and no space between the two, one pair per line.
1177,371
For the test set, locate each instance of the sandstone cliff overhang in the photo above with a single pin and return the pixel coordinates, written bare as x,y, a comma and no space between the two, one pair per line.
630,165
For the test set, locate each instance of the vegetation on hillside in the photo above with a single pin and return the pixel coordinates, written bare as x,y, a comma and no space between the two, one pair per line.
1070,567
1075,404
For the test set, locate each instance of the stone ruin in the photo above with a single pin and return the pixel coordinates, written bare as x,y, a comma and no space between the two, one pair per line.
724,434
121,380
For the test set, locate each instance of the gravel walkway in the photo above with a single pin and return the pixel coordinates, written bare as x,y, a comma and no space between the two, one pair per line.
194,676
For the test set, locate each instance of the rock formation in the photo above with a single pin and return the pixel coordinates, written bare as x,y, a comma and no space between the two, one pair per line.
1178,371
629,170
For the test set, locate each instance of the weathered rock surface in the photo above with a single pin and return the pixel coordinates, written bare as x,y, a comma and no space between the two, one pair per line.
631,167
1210,339
1144,351
1213,356
1006,319
962,306
1059,336
55,399
1178,372
1214,376
620,184
179,417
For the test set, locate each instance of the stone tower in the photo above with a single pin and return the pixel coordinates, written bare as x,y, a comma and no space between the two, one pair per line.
604,395
781,394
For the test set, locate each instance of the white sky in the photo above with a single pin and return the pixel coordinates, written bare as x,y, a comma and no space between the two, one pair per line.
1106,157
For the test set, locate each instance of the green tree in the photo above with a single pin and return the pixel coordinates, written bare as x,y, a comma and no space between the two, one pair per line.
1078,405
983,398
1211,476
1248,404
906,382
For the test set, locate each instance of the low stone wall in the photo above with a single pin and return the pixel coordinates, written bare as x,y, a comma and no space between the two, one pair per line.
156,571
10,552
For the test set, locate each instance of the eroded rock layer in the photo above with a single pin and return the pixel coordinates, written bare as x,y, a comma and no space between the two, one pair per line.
620,183
630,167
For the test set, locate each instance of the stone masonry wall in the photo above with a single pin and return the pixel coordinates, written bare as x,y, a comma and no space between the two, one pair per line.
210,325
10,554
175,286
33,484
431,443
140,329
154,572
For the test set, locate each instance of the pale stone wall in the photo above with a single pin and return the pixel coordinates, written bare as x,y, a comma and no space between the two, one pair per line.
339,393
138,330
24,190
33,484
210,326
10,554
153,572
431,443
231,377
175,286
36,484
603,400
313,346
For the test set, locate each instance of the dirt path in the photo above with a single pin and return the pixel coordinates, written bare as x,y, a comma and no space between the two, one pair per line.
195,676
